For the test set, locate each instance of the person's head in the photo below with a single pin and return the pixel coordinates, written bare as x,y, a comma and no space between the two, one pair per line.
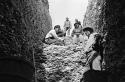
88,31
76,21
57,28
67,19
79,22
76,25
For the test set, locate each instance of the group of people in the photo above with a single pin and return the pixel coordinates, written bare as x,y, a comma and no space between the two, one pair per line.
93,46
78,34
87,36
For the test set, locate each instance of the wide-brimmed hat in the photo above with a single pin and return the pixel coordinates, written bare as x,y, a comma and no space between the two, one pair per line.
88,29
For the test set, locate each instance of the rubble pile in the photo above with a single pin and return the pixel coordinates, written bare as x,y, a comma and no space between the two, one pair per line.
63,62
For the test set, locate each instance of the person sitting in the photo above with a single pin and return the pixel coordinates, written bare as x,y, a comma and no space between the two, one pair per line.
89,46
76,23
85,39
94,52
77,33
60,33
52,37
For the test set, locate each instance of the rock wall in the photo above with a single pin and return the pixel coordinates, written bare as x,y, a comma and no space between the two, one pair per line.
94,16
23,25
111,18
114,17
26,22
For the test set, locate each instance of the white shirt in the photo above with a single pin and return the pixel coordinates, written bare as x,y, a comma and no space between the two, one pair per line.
90,42
96,62
85,37
52,33
67,24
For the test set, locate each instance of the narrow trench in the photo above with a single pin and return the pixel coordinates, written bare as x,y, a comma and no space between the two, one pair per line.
62,60
24,57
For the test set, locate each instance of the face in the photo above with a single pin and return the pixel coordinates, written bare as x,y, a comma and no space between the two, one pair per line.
76,20
87,33
77,26
56,29
67,19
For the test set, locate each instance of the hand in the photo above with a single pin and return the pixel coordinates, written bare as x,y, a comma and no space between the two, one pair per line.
61,39
103,63
85,52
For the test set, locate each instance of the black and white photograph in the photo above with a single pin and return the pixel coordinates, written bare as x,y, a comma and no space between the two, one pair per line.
62,41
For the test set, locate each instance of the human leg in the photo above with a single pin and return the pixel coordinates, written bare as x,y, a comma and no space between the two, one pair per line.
68,32
75,39
94,60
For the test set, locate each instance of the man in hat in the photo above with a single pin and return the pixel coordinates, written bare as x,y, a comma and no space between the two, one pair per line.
67,26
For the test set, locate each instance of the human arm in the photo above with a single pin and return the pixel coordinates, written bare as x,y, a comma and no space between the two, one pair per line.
73,32
89,44
81,32
54,34
61,33
91,57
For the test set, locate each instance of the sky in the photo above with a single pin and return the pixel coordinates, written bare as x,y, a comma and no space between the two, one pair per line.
60,9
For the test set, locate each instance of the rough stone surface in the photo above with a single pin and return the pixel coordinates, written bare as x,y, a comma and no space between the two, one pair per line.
94,16
23,25
114,17
62,63
110,17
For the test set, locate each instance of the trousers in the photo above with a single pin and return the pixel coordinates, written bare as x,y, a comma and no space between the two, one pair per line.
77,38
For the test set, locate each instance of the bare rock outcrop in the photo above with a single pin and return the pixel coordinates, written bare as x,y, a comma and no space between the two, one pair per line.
23,25
109,16
94,16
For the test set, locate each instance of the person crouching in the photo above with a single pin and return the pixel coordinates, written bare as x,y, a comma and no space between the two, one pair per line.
77,34
94,52
52,37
